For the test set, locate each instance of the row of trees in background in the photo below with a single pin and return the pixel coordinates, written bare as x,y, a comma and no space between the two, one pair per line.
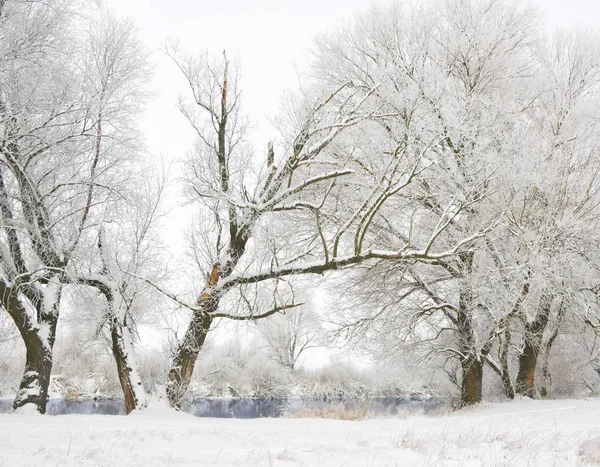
439,164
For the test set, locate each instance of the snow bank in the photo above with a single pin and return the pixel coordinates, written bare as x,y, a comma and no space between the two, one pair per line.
519,433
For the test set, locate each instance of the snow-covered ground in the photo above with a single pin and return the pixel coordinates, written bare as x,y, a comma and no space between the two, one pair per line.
521,433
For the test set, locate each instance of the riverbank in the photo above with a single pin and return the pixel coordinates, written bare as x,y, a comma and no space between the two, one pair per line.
229,407
524,432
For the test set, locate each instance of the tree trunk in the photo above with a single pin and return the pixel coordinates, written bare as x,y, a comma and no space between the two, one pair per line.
509,391
122,347
131,383
38,337
546,358
183,364
472,382
527,364
545,377
471,364
182,368
525,383
503,369
36,377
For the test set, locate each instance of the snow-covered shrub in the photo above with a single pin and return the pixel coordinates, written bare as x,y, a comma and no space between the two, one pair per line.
153,367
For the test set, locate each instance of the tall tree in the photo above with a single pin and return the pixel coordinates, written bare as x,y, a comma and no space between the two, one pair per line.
452,73
258,226
61,103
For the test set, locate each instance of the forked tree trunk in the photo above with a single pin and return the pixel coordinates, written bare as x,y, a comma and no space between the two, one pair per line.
472,382
548,347
525,383
502,369
546,362
122,343
527,364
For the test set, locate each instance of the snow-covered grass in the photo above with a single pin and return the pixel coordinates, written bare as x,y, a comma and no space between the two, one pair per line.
521,433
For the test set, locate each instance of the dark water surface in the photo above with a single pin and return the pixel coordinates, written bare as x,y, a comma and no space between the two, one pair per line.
252,408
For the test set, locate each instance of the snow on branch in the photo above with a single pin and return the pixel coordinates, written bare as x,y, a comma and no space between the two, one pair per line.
342,262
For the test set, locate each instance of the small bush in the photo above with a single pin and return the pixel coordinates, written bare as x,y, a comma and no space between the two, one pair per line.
336,412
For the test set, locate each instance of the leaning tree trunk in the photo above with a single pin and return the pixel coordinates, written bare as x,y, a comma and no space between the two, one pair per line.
183,364
184,361
525,383
131,383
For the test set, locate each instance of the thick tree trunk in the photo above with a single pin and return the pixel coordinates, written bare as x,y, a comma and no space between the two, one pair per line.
526,374
525,383
36,377
471,364
182,368
131,383
38,337
183,364
472,382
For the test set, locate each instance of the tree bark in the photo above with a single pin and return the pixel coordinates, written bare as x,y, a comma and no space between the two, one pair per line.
472,382
525,383
129,378
502,369
182,368
546,355
509,390
183,364
471,363
38,337
527,364
36,377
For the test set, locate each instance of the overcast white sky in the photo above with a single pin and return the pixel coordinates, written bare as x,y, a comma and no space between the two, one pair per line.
269,36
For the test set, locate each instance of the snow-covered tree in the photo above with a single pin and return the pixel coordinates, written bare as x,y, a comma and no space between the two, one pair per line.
447,69
64,102
269,217
509,117
288,335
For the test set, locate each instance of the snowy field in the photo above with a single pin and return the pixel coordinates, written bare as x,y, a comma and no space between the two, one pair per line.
521,433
